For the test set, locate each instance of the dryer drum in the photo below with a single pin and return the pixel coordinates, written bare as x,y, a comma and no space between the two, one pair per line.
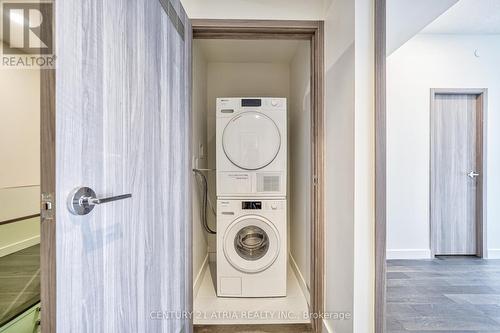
251,243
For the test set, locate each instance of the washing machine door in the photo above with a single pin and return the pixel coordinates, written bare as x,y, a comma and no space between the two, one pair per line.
251,244
251,140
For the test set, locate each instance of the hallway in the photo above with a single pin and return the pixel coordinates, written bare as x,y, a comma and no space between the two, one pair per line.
448,294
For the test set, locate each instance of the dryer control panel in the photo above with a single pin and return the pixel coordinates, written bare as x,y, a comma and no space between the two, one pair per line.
230,106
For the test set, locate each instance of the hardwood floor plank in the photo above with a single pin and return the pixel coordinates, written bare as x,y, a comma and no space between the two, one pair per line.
297,328
448,310
19,282
448,294
397,275
451,324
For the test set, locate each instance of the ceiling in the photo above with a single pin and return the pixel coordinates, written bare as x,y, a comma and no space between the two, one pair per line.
406,18
253,9
468,17
270,51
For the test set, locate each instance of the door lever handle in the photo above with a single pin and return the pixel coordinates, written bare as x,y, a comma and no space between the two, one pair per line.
82,200
473,174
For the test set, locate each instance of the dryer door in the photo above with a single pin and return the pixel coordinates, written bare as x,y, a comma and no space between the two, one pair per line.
251,140
251,244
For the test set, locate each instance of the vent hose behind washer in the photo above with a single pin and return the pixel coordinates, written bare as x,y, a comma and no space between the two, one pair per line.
205,200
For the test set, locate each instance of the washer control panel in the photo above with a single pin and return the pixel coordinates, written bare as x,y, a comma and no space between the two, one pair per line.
249,205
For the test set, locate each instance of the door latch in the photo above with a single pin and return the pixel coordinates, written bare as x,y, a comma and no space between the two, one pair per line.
47,206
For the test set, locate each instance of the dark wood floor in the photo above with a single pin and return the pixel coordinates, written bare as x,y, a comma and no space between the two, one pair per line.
252,329
19,282
448,294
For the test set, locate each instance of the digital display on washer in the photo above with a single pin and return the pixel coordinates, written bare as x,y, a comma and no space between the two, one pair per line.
251,102
251,205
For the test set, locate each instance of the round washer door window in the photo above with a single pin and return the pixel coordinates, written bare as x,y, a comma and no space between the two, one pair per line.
251,140
251,244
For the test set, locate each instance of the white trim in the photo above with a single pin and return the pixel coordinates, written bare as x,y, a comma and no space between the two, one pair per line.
199,276
18,246
493,253
409,254
300,278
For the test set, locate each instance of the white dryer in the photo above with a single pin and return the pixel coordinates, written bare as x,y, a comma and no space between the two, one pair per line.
251,145
251,248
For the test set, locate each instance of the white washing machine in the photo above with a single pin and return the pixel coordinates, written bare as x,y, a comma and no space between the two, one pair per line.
251,145
251,248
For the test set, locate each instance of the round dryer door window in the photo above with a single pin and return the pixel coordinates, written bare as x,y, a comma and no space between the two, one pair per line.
251,140
251,244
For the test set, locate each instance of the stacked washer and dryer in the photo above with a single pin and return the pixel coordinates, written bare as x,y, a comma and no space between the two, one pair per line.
251,161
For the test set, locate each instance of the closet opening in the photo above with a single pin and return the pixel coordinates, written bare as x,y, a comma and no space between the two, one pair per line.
256,152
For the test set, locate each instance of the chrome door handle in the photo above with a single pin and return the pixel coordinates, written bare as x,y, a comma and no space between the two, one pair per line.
472,174
82,200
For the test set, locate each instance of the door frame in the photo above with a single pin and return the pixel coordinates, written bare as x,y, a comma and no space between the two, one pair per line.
481,218
298,30
47,201
380,165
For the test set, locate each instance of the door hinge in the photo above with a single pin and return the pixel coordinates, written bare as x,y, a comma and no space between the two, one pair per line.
315,180
47,206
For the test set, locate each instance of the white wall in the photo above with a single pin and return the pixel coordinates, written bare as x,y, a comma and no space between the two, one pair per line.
339,150
434,61
256,9
19,157
14,203
349,151
199,151
364,152
224,79
299,170
19,127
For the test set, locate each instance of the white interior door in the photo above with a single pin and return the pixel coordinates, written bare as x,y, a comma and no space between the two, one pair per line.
122,127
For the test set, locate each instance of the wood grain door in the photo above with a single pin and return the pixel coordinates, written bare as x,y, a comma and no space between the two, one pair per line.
122,115
456,171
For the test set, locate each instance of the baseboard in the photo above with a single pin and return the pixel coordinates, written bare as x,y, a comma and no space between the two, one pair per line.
18,246
300,278
493,253
409,254
199,277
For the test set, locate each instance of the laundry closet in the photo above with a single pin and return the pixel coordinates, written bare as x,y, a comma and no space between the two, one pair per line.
251,159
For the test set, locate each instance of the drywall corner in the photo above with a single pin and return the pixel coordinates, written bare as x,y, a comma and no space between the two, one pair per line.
199,276
302,281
